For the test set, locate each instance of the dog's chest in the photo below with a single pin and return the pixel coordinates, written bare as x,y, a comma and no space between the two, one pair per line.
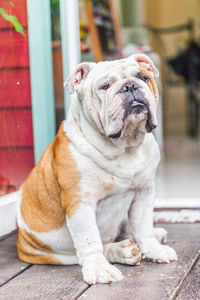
111,212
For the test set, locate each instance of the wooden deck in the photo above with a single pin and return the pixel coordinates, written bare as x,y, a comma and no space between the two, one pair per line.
178,280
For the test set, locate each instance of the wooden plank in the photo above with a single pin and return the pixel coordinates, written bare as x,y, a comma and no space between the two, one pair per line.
98,54
16,163
58,74
17,127
45,282
18,10
116,24
150,280
191,289
15,88
13,49
10,265
37,282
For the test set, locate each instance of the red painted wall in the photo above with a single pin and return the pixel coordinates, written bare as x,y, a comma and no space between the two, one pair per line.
16,133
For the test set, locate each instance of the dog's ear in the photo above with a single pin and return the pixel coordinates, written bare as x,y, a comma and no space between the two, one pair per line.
147,63
73,81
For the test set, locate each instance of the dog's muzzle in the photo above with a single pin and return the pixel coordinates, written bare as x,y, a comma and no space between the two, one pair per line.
136,103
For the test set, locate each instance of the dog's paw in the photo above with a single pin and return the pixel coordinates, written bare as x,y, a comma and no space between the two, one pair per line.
124,252
160,234
96,269
156,252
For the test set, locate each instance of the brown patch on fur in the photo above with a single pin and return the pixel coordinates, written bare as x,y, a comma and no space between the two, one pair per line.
163,240
135,252
151,83
67,174
132,242
27,244
51,190
107,186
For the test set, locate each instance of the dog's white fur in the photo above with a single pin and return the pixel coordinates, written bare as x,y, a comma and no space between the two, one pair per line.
117,182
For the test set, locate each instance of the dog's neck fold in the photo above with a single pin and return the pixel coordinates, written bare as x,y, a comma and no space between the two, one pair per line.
79,126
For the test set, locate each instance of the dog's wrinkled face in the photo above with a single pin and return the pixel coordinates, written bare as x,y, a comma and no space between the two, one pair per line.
119,97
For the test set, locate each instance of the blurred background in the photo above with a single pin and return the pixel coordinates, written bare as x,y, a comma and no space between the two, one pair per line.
42,40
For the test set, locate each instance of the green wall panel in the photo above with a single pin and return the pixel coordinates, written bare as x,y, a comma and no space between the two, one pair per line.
42,94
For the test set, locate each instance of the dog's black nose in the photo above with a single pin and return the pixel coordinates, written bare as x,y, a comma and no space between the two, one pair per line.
130,88
134,87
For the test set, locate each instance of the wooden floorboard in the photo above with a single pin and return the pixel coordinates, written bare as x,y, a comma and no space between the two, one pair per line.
37,282
147,281
150,280
10,265
191,289
45,282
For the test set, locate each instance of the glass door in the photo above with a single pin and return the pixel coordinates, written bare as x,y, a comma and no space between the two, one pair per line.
27,116
16,131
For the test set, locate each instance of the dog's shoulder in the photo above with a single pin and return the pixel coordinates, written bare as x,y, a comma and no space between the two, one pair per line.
52,186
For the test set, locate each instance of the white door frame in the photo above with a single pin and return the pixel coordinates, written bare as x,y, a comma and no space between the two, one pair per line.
70,35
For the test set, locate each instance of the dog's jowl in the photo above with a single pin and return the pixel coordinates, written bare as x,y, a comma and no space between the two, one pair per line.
90,198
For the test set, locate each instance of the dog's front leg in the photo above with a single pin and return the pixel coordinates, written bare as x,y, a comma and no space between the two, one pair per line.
87,241
141,225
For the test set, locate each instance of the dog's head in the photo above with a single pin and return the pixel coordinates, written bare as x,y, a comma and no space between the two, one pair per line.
119,97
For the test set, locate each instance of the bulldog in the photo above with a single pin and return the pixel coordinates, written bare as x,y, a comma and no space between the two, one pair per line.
89,200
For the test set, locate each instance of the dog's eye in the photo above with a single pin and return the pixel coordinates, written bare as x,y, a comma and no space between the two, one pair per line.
104,87
145,78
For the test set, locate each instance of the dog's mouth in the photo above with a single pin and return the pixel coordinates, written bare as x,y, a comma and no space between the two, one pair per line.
150,125
139,108
135,107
